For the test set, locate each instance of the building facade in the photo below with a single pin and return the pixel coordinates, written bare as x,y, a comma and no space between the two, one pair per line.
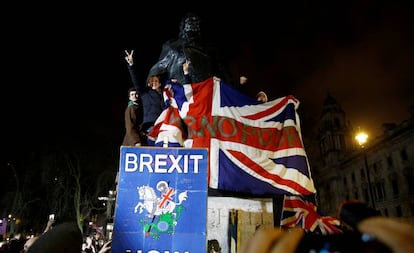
380,174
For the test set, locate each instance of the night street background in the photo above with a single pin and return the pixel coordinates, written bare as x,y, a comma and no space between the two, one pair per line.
64,79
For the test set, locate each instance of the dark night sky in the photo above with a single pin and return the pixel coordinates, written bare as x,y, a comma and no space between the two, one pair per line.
63,72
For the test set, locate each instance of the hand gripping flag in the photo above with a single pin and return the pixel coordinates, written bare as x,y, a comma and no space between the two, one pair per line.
254,147
298,212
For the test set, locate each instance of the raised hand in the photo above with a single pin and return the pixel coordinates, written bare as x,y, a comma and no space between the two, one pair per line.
186,66
129,57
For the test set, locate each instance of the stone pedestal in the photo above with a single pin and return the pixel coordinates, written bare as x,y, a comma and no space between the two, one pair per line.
252,213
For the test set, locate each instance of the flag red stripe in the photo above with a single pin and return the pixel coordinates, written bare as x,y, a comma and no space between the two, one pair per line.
264,173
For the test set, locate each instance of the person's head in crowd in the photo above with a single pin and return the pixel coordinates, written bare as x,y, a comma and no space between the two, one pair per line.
133,94
154,82
65,237
261,96
243,80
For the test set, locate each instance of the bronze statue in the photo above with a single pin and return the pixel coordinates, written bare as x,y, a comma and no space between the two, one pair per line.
205,59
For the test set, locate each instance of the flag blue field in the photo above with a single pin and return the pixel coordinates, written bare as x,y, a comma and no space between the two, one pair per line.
161,203
254,147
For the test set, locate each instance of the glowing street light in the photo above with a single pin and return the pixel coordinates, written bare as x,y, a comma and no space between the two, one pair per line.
362,138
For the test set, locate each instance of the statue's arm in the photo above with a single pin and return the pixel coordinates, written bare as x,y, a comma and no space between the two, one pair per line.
161,67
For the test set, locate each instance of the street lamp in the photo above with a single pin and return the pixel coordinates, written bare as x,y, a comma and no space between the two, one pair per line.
362,137
109,203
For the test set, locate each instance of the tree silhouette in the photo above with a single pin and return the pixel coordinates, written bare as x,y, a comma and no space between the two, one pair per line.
65,183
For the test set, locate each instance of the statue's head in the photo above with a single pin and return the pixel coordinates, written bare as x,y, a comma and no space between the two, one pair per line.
190,26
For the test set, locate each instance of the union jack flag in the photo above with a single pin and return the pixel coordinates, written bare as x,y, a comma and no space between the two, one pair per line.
254,147
298,212
99,230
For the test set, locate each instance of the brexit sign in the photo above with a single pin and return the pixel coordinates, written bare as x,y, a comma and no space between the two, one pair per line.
161,203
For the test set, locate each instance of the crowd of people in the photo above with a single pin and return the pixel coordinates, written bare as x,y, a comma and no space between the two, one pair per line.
395,235
65,237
